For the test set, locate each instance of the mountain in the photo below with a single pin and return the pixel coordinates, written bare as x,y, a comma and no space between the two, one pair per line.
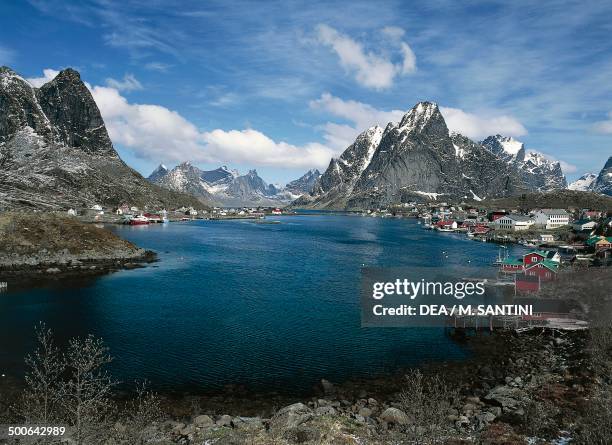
55,152
227,187
304,184
603,183
584,183
538,172
418,158
159,172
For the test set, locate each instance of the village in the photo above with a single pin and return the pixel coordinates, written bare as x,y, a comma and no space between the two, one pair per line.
133,215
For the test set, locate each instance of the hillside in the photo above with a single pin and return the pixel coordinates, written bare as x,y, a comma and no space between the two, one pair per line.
55,152
562,199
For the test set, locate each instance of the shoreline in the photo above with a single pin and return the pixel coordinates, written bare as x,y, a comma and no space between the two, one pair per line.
496,389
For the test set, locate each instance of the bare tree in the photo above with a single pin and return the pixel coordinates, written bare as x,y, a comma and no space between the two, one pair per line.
43,379
141,412
86,394
427,401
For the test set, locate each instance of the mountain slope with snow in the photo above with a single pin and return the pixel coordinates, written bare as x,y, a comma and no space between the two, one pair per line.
55,152
418,158
228,188
584,183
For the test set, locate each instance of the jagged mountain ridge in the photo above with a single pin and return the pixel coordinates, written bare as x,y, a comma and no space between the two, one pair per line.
584,183
303,184
419,158
228,188
55,152
538,172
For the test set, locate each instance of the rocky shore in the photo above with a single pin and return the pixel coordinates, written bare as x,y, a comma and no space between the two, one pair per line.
48,245
517,389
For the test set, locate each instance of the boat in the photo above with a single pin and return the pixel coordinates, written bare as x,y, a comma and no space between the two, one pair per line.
139,220
500,258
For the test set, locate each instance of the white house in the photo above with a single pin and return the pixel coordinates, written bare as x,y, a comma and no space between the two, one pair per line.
72,212
551,218
584,225
546,238
96,207
513,222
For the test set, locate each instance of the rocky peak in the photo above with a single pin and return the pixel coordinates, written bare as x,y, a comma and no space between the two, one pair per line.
159,172
421,116
305,183
603,183
505,147
72,111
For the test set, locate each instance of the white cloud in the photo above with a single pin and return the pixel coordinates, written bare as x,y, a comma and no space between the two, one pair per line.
568,168
157,66
363,115
604,127
253,147
477,126
129,83
370,69
157,133
48,75
393,32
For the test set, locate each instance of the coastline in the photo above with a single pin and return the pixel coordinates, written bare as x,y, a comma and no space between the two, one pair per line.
497,393
53,246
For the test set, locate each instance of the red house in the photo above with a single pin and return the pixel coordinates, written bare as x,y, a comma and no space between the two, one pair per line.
526,283
545,270
534,257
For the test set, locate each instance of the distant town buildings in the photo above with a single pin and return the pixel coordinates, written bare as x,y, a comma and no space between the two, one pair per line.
514,222
551,218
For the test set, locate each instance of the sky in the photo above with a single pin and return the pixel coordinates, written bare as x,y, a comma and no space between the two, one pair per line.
282,86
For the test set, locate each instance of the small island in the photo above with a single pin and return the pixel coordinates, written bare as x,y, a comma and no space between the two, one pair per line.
54,245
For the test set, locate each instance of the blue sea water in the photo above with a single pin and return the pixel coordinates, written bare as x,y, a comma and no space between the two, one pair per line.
270,306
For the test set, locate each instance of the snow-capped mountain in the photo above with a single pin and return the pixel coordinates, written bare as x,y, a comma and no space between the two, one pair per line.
584,183
603,183
537,171
55,152
303,184
226,187
419,158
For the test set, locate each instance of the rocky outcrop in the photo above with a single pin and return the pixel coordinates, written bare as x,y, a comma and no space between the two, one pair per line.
54,246
55,152
418,158
603,183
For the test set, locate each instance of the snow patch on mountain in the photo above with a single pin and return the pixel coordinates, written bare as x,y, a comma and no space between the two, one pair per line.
584,183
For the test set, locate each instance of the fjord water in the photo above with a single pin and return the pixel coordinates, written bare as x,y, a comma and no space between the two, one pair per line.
260,304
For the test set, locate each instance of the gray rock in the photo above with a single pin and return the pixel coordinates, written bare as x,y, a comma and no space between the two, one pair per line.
365,412
395,416
203,421
243,423
224,420
291,416
508,398
325,411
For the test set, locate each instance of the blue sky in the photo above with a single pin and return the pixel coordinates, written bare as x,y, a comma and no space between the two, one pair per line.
282,86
